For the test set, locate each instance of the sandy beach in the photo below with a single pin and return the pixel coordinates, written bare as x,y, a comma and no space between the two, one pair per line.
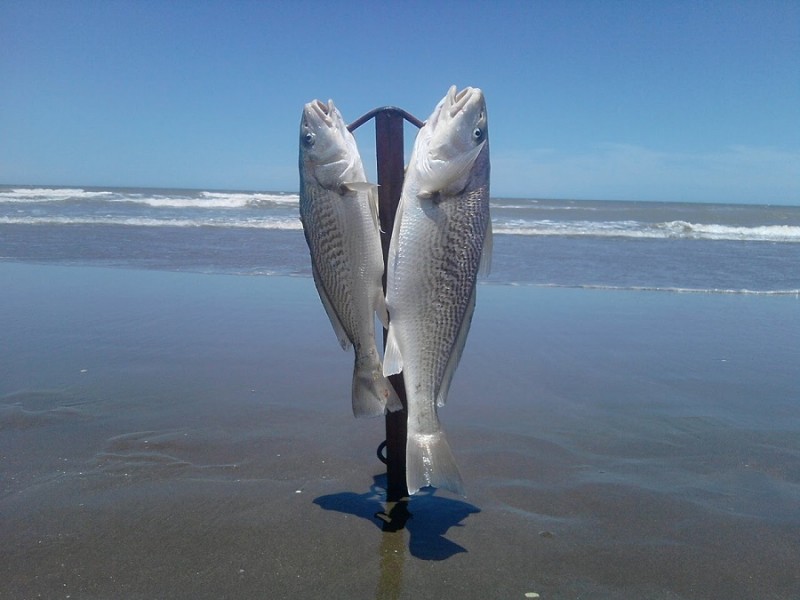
176,435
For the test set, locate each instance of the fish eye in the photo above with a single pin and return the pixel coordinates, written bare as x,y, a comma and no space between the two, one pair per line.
308,139
477,133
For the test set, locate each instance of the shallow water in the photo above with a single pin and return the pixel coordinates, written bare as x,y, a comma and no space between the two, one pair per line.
190,436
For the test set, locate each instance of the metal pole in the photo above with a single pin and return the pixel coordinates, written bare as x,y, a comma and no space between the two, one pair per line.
389,155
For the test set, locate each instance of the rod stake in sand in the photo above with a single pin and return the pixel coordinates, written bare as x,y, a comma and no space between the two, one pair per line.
391,164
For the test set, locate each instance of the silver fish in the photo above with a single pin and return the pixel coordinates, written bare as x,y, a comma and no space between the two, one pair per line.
441,239
339,212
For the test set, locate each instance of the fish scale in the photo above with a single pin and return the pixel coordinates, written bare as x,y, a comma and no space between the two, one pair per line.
452,259
324,220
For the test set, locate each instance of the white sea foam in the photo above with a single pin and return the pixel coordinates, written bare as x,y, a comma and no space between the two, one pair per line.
244,199
49,194
221,200
765,233
156,200
571,228
286,223
635,229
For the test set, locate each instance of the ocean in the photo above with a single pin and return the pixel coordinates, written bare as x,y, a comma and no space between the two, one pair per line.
671,247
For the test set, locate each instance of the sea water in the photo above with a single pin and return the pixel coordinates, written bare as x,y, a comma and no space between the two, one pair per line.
677,247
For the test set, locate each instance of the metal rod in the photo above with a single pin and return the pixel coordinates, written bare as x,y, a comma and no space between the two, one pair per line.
385,109
389,156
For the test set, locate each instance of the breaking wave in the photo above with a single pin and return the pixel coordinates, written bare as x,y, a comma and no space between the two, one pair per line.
635,229
50,194
764,233
154,199
151,207
287,223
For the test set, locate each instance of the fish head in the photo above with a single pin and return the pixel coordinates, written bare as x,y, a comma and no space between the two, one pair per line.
457,132
328,150
459,123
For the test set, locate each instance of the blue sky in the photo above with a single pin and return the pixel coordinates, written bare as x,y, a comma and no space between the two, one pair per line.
683,101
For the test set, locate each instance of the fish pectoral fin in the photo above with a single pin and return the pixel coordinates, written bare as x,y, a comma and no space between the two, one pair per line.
450,176
372,195
463,164
360,186
371,189
486,253
392,359
338,328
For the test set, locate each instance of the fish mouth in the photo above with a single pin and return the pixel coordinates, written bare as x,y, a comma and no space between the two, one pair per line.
453,103
453,125
460,100
322,111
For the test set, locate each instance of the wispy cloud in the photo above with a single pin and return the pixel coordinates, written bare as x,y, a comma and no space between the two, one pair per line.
630,172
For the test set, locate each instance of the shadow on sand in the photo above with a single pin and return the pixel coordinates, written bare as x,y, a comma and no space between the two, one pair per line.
427,526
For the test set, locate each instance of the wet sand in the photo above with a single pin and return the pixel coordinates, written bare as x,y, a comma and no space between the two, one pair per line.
171,435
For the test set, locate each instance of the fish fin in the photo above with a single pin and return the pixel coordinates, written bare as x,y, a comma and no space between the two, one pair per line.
338,328
371,189
456,352
393,402
462,167
448,176
373,206
380,307
486,254
429,461
392,359
391,257
360,186
373,394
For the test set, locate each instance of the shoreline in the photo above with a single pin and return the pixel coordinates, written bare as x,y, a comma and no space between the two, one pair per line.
483,282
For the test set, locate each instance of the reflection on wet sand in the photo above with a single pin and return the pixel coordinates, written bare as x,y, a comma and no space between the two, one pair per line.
427,526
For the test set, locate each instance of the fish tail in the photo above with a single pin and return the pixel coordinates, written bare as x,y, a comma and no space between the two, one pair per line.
373,394
429,461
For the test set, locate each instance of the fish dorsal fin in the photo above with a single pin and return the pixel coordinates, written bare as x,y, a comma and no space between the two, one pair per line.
392,359
455,353
338,328
486,253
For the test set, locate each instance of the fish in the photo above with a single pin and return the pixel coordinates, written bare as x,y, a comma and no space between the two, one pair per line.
339,213
440,242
